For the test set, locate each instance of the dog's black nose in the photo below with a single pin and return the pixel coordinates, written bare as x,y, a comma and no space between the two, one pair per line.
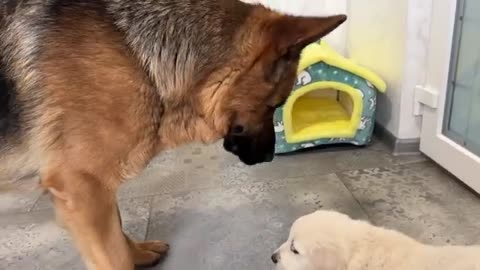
275,258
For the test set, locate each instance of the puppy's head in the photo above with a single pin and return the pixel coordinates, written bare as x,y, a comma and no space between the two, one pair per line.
260,77
318,241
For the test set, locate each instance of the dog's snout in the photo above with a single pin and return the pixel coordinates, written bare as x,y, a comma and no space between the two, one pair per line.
231,146
275,258
269,157
250,149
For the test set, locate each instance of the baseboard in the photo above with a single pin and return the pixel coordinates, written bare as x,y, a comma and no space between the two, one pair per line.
398,146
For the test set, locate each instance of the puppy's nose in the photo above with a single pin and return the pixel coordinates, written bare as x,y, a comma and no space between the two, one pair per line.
275,258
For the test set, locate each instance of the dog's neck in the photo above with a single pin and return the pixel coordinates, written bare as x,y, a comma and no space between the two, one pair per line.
178,42
183,126
181,45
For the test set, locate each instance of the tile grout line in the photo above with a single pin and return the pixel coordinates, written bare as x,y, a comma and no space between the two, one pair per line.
298,178
149,220
354,197
155,194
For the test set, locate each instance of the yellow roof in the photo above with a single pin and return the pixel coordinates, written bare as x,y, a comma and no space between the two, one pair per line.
321,52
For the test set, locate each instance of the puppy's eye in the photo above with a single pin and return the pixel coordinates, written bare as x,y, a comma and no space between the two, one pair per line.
293,249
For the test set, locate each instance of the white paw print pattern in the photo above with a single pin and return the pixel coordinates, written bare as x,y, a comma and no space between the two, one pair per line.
373,103
364,123
304,78
279,127
307,145
335,140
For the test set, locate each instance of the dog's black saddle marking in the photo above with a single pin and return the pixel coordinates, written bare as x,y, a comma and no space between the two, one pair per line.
4,102
8,118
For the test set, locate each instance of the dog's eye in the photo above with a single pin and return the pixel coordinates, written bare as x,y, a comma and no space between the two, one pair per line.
293,249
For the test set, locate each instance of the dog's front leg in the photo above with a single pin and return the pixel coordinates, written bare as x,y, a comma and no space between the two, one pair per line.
88,208
146,254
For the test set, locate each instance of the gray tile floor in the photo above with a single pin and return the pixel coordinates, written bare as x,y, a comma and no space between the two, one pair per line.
220,214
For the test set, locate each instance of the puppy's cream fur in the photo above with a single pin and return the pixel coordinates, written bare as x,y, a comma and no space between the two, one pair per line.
327,240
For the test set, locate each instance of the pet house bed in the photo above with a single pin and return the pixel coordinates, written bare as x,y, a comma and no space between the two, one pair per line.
333,101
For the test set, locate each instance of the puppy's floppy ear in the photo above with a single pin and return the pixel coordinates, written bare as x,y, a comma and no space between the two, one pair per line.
293,33
324,258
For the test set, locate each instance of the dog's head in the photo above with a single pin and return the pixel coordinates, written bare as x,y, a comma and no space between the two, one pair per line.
319,241
260,77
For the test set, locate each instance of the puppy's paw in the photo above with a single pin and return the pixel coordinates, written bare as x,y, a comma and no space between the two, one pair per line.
150,253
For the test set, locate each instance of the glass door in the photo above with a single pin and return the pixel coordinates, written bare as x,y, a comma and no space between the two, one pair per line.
462,123
451,124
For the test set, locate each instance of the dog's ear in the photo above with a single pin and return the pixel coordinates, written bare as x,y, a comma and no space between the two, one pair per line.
293,33
324,258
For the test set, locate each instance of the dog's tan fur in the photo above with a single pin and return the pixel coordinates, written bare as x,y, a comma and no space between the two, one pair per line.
93,99
327,240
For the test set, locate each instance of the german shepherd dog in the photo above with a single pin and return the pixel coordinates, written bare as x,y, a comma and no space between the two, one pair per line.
92,90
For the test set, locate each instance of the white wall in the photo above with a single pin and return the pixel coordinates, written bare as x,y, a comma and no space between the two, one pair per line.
376,39
336,39
418,34
391,37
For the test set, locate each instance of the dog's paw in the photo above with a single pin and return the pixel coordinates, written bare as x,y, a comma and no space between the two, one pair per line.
151,253
155,246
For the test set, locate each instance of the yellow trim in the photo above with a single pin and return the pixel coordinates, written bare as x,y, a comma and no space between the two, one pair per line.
334,130
315,53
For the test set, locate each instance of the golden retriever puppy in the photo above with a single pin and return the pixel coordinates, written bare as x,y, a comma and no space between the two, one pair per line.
327,240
